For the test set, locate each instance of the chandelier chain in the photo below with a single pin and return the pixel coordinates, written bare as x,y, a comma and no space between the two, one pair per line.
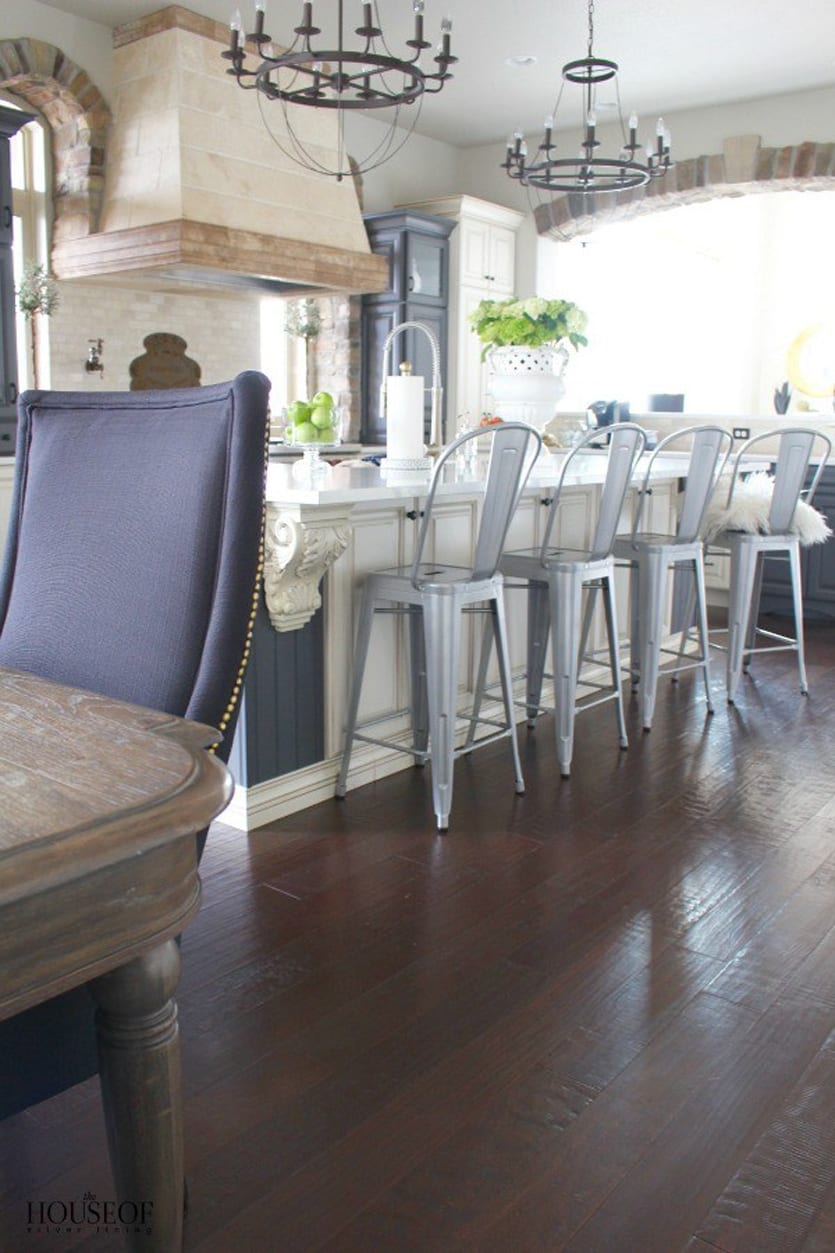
590,172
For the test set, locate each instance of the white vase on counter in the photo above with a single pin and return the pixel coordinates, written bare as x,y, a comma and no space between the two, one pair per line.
526,384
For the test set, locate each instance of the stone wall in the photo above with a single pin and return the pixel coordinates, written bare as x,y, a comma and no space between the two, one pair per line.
742,167
78,117
337,357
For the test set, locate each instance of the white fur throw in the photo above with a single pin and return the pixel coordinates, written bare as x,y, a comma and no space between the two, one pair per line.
749,510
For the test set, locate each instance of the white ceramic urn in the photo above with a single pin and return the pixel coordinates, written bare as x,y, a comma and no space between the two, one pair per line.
526,384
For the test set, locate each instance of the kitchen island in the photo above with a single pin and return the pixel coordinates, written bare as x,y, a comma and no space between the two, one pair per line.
323,534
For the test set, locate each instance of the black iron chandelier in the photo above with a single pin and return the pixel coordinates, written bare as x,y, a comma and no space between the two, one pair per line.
589,172
368,76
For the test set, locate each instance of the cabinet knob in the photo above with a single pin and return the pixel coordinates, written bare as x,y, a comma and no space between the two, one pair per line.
547,501
414,514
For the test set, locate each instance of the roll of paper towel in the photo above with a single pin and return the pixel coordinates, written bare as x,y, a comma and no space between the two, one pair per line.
404,417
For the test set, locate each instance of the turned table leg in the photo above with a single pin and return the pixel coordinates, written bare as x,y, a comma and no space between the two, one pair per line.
139,1061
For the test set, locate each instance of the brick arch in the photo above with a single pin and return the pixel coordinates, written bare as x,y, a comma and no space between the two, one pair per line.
742,167
78,118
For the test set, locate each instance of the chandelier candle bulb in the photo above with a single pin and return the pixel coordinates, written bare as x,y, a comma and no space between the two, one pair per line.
235,30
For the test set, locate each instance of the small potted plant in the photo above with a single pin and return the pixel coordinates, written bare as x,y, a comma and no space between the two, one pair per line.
37,294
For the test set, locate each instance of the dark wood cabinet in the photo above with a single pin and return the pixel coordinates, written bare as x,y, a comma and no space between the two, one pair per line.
417,248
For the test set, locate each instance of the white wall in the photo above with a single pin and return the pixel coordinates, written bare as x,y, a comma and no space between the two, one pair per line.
423,169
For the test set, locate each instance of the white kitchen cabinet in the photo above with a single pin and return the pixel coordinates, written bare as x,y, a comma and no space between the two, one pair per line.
482,266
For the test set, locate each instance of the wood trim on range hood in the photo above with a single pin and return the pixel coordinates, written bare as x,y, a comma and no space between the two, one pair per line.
184,255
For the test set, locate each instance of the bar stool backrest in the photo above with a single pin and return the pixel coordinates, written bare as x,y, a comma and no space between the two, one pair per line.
627,442
797,444
514,447
710,447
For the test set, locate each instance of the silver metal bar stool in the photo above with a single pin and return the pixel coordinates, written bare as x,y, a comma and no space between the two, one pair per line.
775,532
555,579
652,555
435,595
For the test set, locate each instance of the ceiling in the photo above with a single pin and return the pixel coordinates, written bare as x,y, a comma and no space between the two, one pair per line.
672,56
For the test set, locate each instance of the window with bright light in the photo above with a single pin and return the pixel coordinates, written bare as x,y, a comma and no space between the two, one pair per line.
704,300
29,210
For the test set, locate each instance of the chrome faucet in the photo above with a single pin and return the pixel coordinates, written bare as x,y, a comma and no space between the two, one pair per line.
435,438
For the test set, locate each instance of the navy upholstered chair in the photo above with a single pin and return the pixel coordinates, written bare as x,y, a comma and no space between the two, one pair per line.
131,567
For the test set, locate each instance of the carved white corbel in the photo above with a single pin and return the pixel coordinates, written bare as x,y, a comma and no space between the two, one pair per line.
299,547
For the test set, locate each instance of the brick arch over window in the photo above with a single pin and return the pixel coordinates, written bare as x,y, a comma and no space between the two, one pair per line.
743,166
78,117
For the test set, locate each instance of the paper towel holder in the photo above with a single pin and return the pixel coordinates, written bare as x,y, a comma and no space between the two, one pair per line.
435,441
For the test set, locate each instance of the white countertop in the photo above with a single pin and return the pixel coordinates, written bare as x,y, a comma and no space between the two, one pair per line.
361,482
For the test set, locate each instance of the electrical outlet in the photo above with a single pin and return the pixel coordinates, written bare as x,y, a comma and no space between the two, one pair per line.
742,432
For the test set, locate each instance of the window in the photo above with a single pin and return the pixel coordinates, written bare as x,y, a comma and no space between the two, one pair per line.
704,299
29,210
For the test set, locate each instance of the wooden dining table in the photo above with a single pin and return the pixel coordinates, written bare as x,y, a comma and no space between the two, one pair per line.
99,805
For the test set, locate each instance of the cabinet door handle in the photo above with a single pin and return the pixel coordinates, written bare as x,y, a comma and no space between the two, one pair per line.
7,216
410,282
413,514
12,389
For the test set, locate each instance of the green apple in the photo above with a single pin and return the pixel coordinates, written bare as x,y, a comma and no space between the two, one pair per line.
322,415
325,435
305,433
323,398
298,411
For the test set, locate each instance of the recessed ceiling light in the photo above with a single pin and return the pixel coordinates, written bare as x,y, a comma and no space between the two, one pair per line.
522,61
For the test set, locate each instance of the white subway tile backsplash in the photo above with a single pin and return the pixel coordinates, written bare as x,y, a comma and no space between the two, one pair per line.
222,333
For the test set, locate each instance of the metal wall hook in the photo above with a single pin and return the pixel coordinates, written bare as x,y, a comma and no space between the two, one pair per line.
94,363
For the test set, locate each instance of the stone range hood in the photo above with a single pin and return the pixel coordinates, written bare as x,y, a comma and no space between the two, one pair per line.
197,196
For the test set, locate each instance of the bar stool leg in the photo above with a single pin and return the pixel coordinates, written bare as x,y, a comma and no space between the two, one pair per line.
701,603
481,678
420,709
635,623
539,621
743,571
754,616
364,622
614,653
797,597
566,594
500,622
442,633
652,580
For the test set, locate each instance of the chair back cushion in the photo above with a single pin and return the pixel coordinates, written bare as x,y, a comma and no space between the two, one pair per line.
134,541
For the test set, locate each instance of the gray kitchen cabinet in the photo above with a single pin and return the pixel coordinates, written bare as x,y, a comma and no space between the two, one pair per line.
417,248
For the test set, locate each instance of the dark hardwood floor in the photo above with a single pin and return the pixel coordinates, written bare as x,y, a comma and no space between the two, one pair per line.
598,1017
